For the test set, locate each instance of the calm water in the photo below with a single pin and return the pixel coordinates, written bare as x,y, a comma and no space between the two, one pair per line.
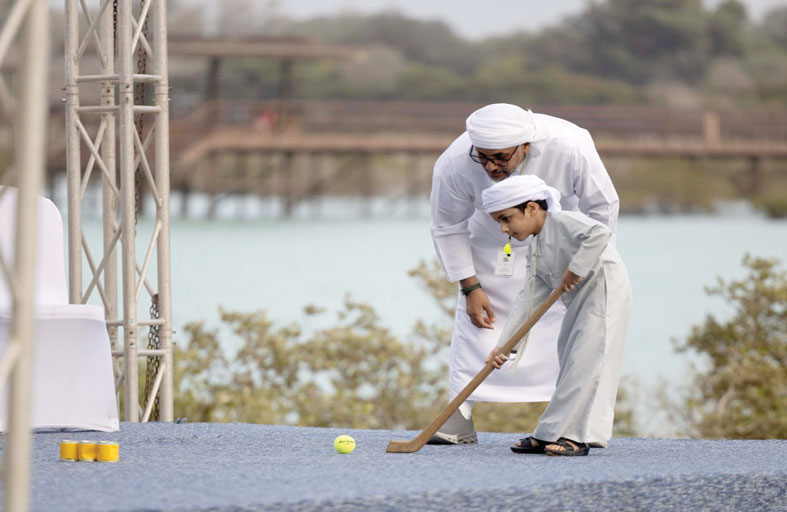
283,265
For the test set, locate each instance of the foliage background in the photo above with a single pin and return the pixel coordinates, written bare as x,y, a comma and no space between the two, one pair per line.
739,391
355,374
669,52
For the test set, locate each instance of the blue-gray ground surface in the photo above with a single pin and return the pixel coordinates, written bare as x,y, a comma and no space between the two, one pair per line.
241,467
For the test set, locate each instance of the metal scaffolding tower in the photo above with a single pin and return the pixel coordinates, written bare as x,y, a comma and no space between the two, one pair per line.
27,19
119,31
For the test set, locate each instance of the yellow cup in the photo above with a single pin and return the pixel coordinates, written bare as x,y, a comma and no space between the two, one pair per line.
108,451
87,451
68,450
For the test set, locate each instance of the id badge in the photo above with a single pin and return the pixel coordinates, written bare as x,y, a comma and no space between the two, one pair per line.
505,264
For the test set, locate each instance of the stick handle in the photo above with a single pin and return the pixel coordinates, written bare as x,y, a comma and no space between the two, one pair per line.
535,317
433,427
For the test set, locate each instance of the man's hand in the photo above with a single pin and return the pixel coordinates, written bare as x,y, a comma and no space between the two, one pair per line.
479,309
497,357
570,280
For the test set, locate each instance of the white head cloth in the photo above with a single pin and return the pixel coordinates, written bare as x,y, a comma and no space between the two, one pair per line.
516,190
501,126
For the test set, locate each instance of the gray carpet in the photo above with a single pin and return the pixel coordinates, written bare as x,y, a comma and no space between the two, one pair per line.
240,467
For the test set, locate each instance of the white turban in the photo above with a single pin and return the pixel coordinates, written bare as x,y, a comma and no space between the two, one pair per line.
501,126
516,190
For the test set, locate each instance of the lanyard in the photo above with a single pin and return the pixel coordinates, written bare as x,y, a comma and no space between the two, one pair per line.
535,252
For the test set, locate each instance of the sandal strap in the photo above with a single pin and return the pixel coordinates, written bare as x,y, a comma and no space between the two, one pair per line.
570,444
525,441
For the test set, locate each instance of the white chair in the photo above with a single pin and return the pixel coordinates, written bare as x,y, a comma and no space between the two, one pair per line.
73,383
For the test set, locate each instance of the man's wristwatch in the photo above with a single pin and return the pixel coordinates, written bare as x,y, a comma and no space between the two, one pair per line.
467,289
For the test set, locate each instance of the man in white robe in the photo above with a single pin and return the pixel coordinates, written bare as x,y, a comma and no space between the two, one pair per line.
503,140
571,251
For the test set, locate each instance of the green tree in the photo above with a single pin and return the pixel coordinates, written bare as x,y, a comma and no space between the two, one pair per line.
774,26
766,59
605,54
726,29
638,41
421,82
740,390
355,374
550,85
429,43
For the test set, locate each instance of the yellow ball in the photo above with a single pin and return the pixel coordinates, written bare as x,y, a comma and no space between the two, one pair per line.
344,444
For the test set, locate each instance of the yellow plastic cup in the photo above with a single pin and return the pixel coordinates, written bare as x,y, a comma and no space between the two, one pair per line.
87,451
108,451
69,451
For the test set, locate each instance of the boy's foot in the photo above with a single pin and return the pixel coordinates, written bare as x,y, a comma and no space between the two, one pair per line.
529,445
457,430
566,448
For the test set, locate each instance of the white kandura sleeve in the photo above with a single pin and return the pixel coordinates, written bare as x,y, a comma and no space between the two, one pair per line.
452,206
594,238
598,198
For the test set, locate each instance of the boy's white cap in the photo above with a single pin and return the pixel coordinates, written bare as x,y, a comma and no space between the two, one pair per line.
516,190
501,126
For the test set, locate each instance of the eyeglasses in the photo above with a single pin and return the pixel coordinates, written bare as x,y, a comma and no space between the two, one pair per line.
498,159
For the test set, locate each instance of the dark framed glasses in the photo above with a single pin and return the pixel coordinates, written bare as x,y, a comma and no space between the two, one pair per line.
498,159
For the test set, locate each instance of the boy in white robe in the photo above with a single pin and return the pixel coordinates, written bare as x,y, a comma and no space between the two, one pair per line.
572,251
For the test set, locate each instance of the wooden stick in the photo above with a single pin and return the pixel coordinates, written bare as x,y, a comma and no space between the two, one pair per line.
402,446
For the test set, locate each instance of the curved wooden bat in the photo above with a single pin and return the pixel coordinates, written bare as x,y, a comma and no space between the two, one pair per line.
401,446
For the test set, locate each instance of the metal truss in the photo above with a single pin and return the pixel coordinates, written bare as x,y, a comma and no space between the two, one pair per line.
27,22
121,154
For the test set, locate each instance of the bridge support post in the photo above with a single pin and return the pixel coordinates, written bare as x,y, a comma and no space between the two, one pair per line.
285,180
754,185
711,127
415,187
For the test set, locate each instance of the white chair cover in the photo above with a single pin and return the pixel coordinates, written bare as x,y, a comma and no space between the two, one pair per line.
50,273
73,383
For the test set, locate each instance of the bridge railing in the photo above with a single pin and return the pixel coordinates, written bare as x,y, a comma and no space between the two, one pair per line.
608,123
618,121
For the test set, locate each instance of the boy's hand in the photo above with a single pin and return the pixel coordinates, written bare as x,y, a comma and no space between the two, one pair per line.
570,280
497,357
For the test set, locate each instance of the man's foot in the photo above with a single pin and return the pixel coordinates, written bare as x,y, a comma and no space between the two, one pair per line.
457,430
566,448
529,445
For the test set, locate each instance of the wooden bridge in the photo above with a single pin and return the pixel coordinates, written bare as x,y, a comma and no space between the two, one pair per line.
297,150
301,149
